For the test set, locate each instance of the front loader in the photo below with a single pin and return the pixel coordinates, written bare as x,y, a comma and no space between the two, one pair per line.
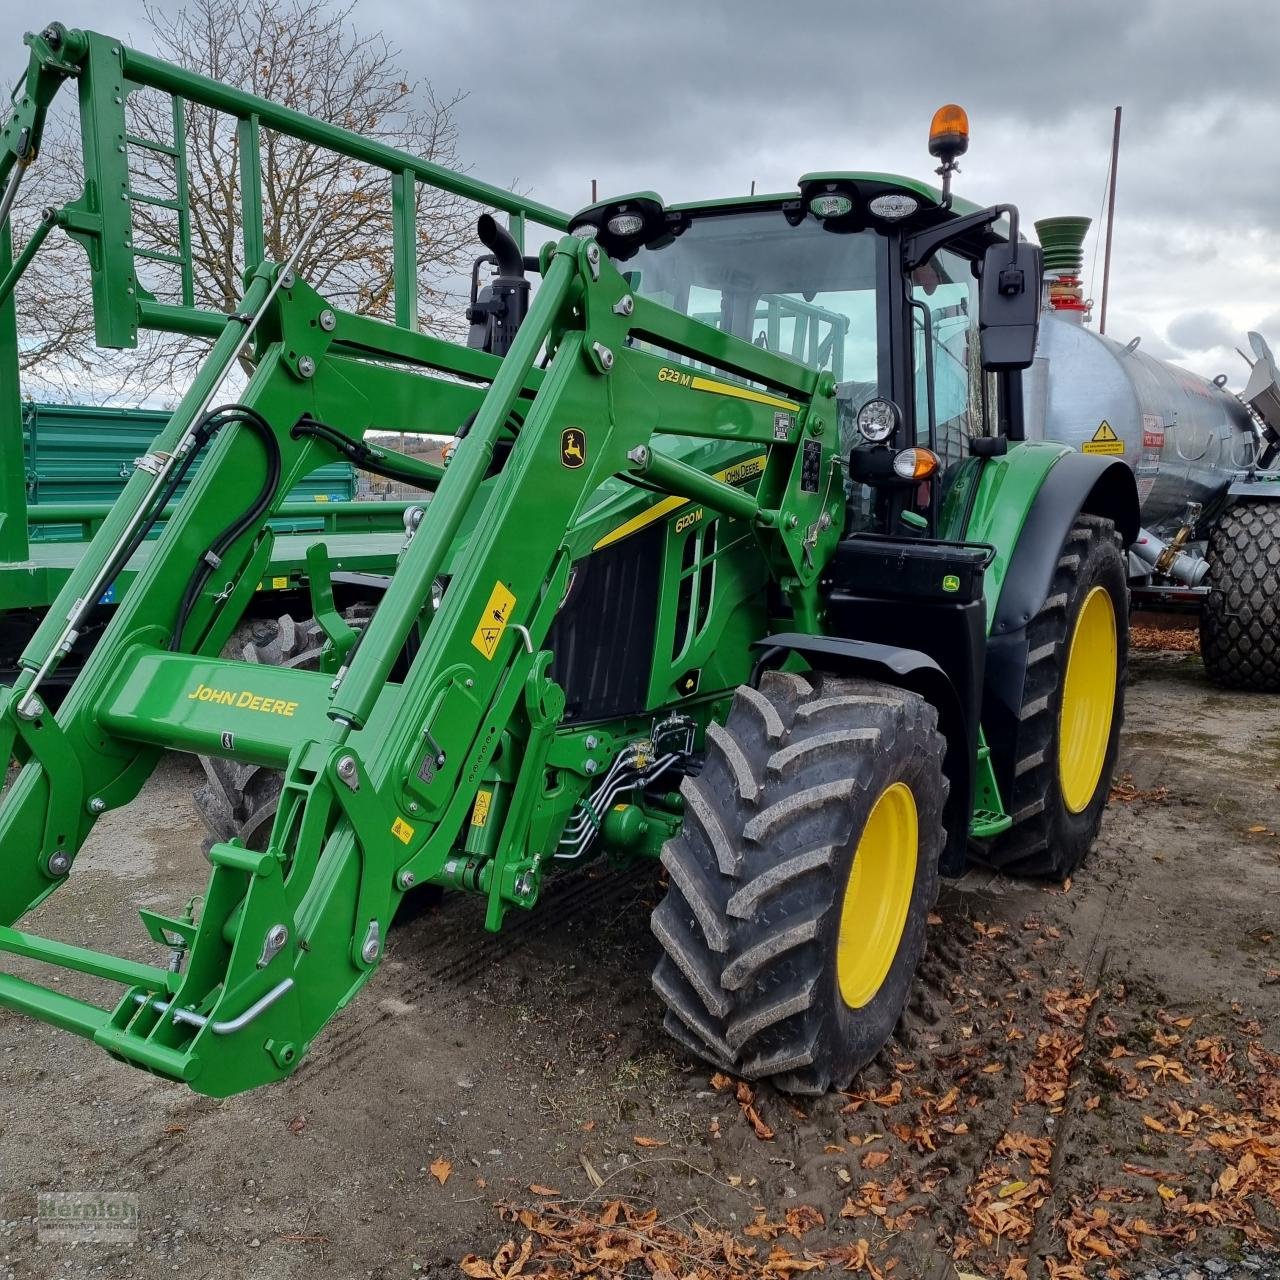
739,563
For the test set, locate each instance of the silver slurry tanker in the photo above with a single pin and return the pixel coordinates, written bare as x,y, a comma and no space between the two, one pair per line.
1199,453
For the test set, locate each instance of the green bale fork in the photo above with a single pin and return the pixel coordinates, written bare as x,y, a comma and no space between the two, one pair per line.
740,563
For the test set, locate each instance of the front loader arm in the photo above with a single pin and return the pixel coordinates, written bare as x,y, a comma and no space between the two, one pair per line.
381,777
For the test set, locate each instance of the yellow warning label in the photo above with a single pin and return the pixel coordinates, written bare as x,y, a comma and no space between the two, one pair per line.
279,584
480,814
402,831
493,621
1104,440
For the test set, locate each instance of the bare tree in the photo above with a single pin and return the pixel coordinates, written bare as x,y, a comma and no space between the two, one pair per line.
304,54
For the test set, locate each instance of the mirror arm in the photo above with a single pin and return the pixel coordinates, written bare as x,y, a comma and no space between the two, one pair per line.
923,245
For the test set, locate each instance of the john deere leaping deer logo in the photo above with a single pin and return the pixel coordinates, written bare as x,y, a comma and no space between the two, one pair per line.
573,447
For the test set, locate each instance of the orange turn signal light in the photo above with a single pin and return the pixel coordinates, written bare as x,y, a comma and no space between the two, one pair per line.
916,464
949,132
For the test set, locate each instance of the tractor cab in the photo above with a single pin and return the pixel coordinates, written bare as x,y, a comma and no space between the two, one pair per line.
874,279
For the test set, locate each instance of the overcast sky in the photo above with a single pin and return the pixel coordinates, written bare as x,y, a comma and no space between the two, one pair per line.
697,99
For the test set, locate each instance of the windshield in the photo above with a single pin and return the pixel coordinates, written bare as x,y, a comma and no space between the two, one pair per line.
799,291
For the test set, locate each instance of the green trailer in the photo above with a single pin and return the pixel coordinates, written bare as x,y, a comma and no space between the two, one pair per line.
76,460
784,603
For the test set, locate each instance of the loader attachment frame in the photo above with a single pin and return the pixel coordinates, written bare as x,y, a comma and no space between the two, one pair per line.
381,778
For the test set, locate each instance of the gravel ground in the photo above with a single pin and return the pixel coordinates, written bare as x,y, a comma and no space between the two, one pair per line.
1070,1095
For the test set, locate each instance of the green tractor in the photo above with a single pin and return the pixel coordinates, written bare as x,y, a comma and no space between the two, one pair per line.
740,564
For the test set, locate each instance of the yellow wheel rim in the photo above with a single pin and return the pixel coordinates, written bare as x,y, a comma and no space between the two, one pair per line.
1088,700
878,895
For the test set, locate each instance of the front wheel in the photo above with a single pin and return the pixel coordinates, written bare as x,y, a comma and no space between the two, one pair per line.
802,879
1072,708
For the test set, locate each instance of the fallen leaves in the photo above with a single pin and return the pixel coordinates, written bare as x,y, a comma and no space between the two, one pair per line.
889,1097
440,1170
1163,1069
625,1240
746,1097
1167,638
507,1263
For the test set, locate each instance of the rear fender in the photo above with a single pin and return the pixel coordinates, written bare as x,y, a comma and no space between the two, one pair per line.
1071,484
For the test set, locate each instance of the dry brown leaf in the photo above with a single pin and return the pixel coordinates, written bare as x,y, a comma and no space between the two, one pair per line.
641,1141
589,1169
440,1170
763,1132
539,1190
802,1218
874,1159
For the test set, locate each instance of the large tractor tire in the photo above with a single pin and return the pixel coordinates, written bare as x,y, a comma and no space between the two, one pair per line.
241,799
802,879
1072,708
1240,620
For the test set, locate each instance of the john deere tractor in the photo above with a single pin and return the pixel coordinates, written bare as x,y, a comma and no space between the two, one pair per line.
740,565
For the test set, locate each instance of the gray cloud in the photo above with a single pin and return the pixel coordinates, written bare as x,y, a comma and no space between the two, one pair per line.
1202,331
697,100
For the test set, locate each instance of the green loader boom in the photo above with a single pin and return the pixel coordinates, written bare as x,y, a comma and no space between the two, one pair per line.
674,595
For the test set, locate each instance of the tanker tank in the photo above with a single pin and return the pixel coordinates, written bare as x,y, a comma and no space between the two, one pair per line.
1185,437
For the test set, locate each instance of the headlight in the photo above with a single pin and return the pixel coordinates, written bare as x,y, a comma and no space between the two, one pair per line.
585,231
877,420
916,464
831,206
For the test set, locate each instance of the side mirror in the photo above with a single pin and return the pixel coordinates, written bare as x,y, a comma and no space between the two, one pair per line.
1009,306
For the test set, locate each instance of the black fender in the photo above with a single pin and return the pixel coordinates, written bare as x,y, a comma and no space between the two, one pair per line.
905,669
1078,483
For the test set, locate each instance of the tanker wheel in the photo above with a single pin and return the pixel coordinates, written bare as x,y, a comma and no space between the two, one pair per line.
802,879
1240,620
1072,708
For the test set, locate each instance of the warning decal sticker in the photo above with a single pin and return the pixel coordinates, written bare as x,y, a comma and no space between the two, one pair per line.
493,621
402,831
480,814
1104,440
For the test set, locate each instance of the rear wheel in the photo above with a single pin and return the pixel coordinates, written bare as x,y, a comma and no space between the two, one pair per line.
802,879
1072,708
1240,620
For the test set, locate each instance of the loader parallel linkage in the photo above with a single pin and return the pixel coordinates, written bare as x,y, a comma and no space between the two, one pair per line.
468,736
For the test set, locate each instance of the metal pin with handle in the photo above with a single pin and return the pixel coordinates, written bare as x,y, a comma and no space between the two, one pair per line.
193,1019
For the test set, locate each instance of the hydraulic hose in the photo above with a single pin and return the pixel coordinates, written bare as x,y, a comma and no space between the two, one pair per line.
251,517
360,454
202,433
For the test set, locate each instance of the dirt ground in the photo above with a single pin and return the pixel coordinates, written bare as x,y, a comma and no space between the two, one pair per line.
1085,1084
